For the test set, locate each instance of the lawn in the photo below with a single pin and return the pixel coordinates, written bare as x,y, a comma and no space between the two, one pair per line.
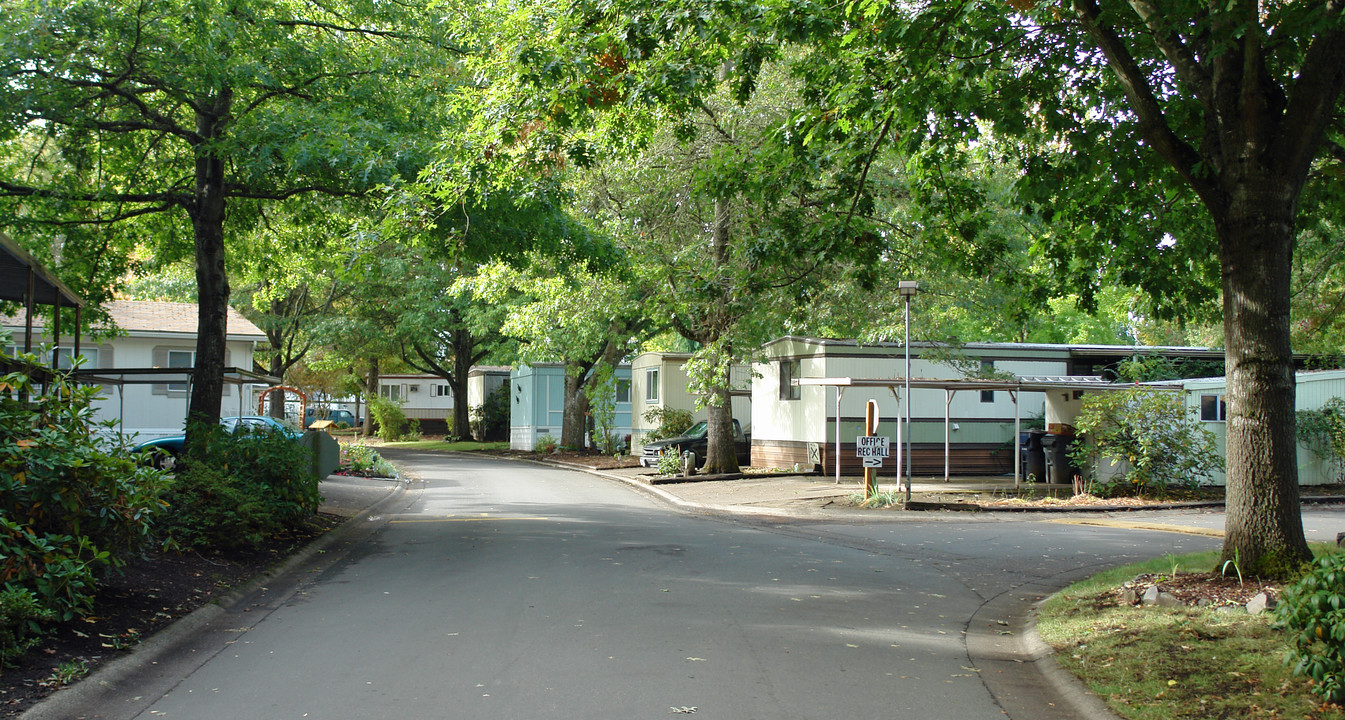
1152,663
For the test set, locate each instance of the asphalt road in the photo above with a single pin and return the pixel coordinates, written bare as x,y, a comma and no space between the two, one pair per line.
497,589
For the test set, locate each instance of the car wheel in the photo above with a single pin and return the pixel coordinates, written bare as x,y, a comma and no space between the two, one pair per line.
165,460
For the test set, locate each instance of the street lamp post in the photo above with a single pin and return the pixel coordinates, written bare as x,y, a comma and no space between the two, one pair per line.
908,289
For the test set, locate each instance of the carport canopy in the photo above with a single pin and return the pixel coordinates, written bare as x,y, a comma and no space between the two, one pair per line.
154,376
24,280
1015,388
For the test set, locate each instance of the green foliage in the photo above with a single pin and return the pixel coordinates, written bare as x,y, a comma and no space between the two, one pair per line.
545,444
1323,430
392,423
1153,433
214,509
1312,611
73,505
357,459
490,419
601,393
671,422
21,619
247,488
669,462
59,476
1154,368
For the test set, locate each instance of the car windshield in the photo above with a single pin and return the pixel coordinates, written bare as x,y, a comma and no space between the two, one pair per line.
694,430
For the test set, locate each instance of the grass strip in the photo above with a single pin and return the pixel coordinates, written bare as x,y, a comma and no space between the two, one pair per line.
1152,663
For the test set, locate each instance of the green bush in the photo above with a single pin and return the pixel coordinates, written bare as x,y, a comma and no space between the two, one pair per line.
1323,430
59,476
244,489
490,420
670,422
214,509
21,619
1312,612
74,505
1152,432
357,459
392,423
546,444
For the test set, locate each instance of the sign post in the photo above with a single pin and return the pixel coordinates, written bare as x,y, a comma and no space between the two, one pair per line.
871,449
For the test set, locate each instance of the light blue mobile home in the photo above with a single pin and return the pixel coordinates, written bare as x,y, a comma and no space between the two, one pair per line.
537,394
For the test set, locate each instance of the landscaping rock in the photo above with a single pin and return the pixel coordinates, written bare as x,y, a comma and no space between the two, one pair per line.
1261,603
1155,596
1129,597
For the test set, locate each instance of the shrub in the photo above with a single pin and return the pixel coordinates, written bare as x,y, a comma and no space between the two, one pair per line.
1322,431
1312,612
669,462
1153,433
59,476
490,420
73,504
670,422
363,460
21,619
213,509
546,444
243,489
601,394
392,423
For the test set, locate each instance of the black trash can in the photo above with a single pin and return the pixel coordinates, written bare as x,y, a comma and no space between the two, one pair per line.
1060,468
1032,457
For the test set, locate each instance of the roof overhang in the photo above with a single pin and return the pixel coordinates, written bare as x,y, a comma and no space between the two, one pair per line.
17,267
152,376
1023,384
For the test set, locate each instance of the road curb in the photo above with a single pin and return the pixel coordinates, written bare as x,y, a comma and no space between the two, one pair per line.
1018,668
74,700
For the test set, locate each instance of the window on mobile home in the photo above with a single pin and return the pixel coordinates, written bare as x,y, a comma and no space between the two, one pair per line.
789,371
1213,408
651,385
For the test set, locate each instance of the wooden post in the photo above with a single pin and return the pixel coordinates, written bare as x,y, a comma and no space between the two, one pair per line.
870,426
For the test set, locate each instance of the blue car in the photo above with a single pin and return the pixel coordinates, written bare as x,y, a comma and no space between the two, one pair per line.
163,452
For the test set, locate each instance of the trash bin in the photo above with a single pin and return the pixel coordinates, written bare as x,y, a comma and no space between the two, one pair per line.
1033,458
1060,468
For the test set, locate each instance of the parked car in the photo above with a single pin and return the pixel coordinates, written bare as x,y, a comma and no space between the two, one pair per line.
163,452
697,441
341,418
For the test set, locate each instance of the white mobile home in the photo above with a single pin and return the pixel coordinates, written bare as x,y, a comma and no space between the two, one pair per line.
156,336
799,399
1205,400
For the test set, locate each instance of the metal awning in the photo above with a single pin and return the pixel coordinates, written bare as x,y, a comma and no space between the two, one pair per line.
17,266
24,280
151,376
118,377
1016,386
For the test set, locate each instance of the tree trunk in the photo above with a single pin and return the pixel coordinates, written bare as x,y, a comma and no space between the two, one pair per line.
573,418
370,392
276,400
722,456
1263,527
212,303
463,350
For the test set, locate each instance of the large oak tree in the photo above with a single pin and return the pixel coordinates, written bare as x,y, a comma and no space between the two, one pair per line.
199,110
